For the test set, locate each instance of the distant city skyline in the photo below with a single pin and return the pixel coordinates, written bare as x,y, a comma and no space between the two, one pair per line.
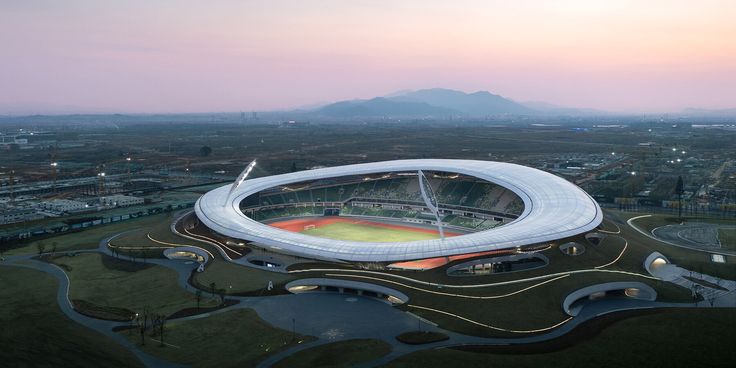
196,56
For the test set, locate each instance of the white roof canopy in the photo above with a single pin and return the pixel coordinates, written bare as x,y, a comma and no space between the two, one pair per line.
553,209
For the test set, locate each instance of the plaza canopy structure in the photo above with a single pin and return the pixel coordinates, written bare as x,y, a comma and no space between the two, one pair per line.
553,209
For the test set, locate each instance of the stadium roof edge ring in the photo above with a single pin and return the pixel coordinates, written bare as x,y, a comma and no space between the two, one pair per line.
553,209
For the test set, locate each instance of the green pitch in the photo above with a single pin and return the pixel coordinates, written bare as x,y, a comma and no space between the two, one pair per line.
367,233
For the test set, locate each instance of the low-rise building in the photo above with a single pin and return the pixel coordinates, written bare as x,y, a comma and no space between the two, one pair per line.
119,200
11,215
64,205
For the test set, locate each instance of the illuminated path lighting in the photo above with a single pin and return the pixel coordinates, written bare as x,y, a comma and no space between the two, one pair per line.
239,180
428,283
452,294
489,326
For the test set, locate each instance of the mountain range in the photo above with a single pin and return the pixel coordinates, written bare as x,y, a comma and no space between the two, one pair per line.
437,102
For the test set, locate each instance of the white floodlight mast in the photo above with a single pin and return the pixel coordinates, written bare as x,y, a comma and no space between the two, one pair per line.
239,180
430,200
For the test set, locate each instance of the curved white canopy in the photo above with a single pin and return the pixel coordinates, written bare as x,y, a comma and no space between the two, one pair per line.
553,208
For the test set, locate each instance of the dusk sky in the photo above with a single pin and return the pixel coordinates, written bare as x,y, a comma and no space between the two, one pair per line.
197,56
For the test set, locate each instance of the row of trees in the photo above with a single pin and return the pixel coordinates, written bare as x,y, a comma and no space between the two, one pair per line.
146,320
156,322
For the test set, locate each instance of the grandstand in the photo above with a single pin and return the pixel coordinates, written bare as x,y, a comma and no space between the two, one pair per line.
466,202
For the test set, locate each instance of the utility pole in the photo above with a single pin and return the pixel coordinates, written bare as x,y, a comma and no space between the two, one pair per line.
101,179
12,182
54,164
128,160
679,189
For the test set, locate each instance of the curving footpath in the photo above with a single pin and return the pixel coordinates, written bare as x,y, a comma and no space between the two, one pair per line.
330,317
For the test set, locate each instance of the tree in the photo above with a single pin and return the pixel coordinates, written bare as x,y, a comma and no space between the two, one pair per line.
41,247
198,297
221,294
158,322
142,321
205,151
161,327
679,190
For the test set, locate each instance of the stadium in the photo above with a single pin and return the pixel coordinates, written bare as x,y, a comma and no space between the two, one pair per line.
405,214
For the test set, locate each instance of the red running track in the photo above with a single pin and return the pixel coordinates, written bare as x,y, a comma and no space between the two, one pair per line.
297,225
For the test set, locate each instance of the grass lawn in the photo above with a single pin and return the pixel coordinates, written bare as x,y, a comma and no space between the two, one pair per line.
727,238
238,279
652,222
107,282
35,333
670,338
690,259
160,231
339,354
88,238
367,233
237,338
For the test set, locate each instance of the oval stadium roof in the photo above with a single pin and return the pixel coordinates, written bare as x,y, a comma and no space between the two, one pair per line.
553,209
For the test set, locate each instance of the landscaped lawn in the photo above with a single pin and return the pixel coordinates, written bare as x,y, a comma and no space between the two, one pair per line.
237,338
670,338
35,333
160,231
235,278
368,233
88,238
337,355
109,282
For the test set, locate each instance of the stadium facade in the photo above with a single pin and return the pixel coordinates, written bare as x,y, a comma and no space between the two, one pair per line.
496,206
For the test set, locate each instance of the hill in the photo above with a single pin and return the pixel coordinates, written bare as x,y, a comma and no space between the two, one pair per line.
380,106
479,103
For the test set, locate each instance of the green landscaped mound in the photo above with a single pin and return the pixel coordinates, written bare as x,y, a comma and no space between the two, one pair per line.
239,279
670,338
100,281
35,333
338,354
151,240
237,338
88,238
368,233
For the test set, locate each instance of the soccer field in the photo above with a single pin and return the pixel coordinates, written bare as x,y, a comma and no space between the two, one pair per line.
368,233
